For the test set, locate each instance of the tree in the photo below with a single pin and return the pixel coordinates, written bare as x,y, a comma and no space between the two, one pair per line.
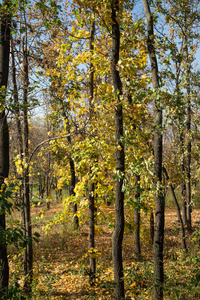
91,182
159,197
120,158
182,21
21,104
28,255
4,137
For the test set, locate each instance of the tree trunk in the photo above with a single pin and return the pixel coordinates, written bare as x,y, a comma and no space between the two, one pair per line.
188,164
136,236
23,152
41,188
151,226
188,126
16,101
28,255
48,190
159,197
72,193
48,180
4,142
91,241
183,200
120,159
182,229
183,185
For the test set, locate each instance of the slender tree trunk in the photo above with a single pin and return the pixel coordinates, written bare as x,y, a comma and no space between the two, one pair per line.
91,241
183,200
73,180
28,255
183,185
23,153
48,180
151,226
41,188
136,236
159,197
182,229
159,211
4,142
16,101
48,190
188,128
188,165
72,193
120,159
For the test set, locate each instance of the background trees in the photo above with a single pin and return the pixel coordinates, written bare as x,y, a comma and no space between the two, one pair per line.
114,122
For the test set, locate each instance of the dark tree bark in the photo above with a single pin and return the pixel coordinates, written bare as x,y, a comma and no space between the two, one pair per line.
48,180
28,255
41,187
159,197
182,229
151,226
183,200
186,34
16,101
91,241
73,176
183,185
23,152
72,193
120,159
48,189
4,140
136,235
189,148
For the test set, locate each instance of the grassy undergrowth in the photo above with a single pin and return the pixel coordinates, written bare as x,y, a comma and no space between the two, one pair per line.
61,261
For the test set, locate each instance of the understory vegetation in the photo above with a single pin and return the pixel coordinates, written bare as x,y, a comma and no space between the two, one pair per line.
61,255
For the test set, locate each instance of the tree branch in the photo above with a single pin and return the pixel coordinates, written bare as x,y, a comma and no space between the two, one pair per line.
46,141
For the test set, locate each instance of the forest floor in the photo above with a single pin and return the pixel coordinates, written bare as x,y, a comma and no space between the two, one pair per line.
61,260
